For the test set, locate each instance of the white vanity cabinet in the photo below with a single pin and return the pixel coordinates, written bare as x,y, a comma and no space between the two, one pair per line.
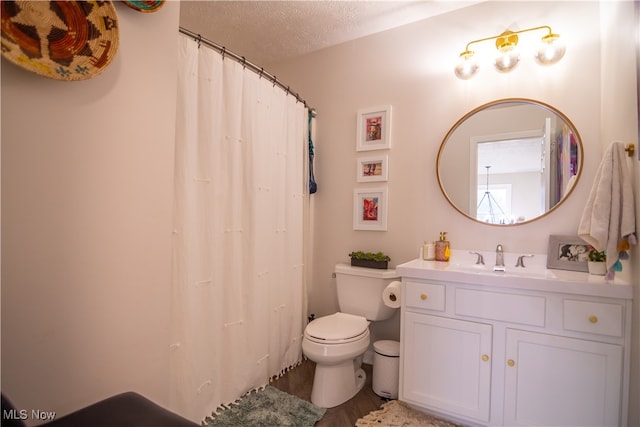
553,380
511,355
447,364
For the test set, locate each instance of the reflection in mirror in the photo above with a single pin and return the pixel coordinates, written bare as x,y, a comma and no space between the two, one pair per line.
509,161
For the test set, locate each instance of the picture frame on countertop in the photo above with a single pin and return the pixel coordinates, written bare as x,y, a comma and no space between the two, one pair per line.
567,253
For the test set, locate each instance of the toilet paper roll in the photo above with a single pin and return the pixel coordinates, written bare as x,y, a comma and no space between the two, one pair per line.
391,294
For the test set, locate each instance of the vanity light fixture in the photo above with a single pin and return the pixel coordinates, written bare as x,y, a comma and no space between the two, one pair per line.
550,51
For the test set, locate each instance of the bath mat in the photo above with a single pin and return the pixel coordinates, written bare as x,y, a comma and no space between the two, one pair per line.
397,414
267,408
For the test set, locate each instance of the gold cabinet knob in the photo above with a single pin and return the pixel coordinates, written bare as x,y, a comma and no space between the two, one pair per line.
511,362
485,358
593,319
423,297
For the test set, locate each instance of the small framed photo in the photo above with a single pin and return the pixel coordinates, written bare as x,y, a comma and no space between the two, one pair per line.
370,209
567,253
374,129
372,169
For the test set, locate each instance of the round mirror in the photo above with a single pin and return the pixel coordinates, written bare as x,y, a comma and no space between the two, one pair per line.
509,162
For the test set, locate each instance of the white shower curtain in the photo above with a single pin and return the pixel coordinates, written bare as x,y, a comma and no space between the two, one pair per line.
241,216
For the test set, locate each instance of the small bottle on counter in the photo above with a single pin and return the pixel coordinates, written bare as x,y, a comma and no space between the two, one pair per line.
428,251
443,249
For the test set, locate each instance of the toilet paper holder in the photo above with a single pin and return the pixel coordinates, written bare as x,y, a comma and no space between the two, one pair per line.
391,294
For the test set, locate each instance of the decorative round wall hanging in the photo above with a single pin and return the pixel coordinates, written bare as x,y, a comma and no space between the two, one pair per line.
144,5
62,40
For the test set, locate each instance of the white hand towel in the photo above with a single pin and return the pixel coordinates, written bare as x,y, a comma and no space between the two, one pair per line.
609,214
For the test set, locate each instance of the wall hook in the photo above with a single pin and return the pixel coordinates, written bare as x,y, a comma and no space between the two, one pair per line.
630,149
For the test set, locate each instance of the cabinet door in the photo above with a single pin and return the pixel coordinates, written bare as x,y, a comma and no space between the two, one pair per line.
447,365
559,381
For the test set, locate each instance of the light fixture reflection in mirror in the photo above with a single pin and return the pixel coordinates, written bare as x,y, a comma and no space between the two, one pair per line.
523,155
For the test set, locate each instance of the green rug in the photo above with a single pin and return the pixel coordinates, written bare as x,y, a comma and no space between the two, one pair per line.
267,408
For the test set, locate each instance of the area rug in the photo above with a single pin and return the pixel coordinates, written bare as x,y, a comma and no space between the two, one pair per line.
397,414
267,408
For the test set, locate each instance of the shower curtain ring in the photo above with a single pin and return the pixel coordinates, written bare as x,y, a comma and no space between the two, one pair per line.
244,62
224,50
274,80
199,39
261,72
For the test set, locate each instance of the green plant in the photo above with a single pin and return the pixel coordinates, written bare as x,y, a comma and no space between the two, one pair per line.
596,255
379,256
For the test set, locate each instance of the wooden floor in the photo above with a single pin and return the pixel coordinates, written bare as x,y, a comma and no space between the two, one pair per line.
299,381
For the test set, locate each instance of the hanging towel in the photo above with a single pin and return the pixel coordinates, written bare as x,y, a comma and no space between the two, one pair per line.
313,186
609,214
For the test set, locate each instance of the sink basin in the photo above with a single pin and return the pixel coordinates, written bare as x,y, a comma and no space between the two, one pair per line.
534,271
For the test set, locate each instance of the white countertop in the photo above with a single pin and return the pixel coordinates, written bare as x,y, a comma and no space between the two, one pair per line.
461,268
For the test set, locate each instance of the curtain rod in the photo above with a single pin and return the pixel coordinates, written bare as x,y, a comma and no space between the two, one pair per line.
246,64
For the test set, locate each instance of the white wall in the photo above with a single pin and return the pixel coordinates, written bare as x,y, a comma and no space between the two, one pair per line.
87,171
87,184
411,69
620,123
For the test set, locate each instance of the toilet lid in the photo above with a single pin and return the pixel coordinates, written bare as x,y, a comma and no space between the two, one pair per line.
338,326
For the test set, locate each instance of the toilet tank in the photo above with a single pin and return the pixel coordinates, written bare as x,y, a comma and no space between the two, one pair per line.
360,291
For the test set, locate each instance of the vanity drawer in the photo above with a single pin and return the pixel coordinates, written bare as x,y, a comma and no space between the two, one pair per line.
514,308
593,317
427,296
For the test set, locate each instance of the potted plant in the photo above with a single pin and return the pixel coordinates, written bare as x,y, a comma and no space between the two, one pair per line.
370,260
597,262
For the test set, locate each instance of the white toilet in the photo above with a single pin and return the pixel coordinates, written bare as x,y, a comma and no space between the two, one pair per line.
337,342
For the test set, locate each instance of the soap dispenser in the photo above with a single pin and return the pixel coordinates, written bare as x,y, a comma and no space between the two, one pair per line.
443,250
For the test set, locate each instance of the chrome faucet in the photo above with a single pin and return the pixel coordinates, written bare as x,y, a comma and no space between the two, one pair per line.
480,259
499,259
520,262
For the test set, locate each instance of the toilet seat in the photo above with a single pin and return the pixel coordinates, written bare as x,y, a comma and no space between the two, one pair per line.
337,328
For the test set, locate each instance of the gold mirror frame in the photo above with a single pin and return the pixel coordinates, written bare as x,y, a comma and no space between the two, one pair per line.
540,104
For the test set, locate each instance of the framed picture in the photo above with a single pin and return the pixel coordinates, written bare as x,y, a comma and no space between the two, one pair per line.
370,209
372,169
374,129
567,253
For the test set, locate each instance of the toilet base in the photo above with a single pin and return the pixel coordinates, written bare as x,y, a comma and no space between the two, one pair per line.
335,384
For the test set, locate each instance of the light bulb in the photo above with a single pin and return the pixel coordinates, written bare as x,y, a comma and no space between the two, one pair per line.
507,59
467,67
551,50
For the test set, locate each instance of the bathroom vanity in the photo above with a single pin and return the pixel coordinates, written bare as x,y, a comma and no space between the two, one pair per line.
527,346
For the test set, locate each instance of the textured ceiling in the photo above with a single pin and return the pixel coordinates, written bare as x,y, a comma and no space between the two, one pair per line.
266,32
